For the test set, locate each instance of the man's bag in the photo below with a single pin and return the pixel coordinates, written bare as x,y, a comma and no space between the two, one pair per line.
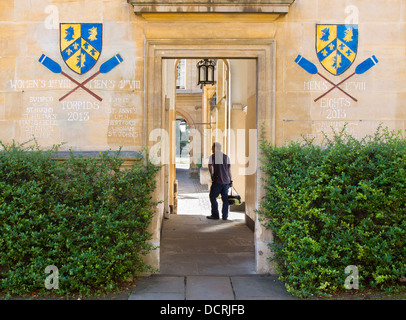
234,199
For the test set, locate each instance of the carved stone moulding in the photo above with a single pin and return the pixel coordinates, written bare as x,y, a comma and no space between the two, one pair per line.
211,6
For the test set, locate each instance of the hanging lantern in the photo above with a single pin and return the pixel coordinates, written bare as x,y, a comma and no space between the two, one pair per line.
205,71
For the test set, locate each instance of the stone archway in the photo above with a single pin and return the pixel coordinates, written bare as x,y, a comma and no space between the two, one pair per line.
264,53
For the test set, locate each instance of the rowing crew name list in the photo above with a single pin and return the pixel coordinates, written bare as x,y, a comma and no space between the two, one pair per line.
45,116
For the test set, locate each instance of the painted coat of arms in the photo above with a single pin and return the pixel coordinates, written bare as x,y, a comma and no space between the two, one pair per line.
336,46
80,45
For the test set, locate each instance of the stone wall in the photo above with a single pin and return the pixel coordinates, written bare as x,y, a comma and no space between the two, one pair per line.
30,93
380,92
116,109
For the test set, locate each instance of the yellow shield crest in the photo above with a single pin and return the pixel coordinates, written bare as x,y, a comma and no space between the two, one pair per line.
336,46
80,45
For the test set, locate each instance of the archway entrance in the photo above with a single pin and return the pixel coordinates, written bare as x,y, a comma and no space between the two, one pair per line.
160,113
190,243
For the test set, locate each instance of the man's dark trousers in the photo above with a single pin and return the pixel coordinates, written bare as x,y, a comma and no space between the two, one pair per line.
215,190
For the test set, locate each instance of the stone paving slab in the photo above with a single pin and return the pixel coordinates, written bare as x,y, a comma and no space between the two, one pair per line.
247,287
159,288
208,288
259,288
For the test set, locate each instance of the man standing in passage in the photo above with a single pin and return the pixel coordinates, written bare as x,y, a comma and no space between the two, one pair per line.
219,168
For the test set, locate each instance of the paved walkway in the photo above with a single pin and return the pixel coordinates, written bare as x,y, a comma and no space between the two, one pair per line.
204,259
217,288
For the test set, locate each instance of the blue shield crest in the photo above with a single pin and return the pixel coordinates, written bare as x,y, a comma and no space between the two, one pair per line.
336,46
80,45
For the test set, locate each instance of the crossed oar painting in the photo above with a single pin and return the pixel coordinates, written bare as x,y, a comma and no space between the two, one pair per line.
104,68
312,69
81,45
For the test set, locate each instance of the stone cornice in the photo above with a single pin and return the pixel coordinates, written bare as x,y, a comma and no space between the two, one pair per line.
211,6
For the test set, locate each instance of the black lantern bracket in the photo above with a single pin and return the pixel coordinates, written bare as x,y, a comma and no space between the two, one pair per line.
205,72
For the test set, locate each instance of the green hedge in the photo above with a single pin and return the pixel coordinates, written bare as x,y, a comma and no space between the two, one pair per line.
339,204
83,215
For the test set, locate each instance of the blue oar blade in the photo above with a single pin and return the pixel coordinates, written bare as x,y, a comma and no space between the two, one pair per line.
50,64
306,65
110,64
366,65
